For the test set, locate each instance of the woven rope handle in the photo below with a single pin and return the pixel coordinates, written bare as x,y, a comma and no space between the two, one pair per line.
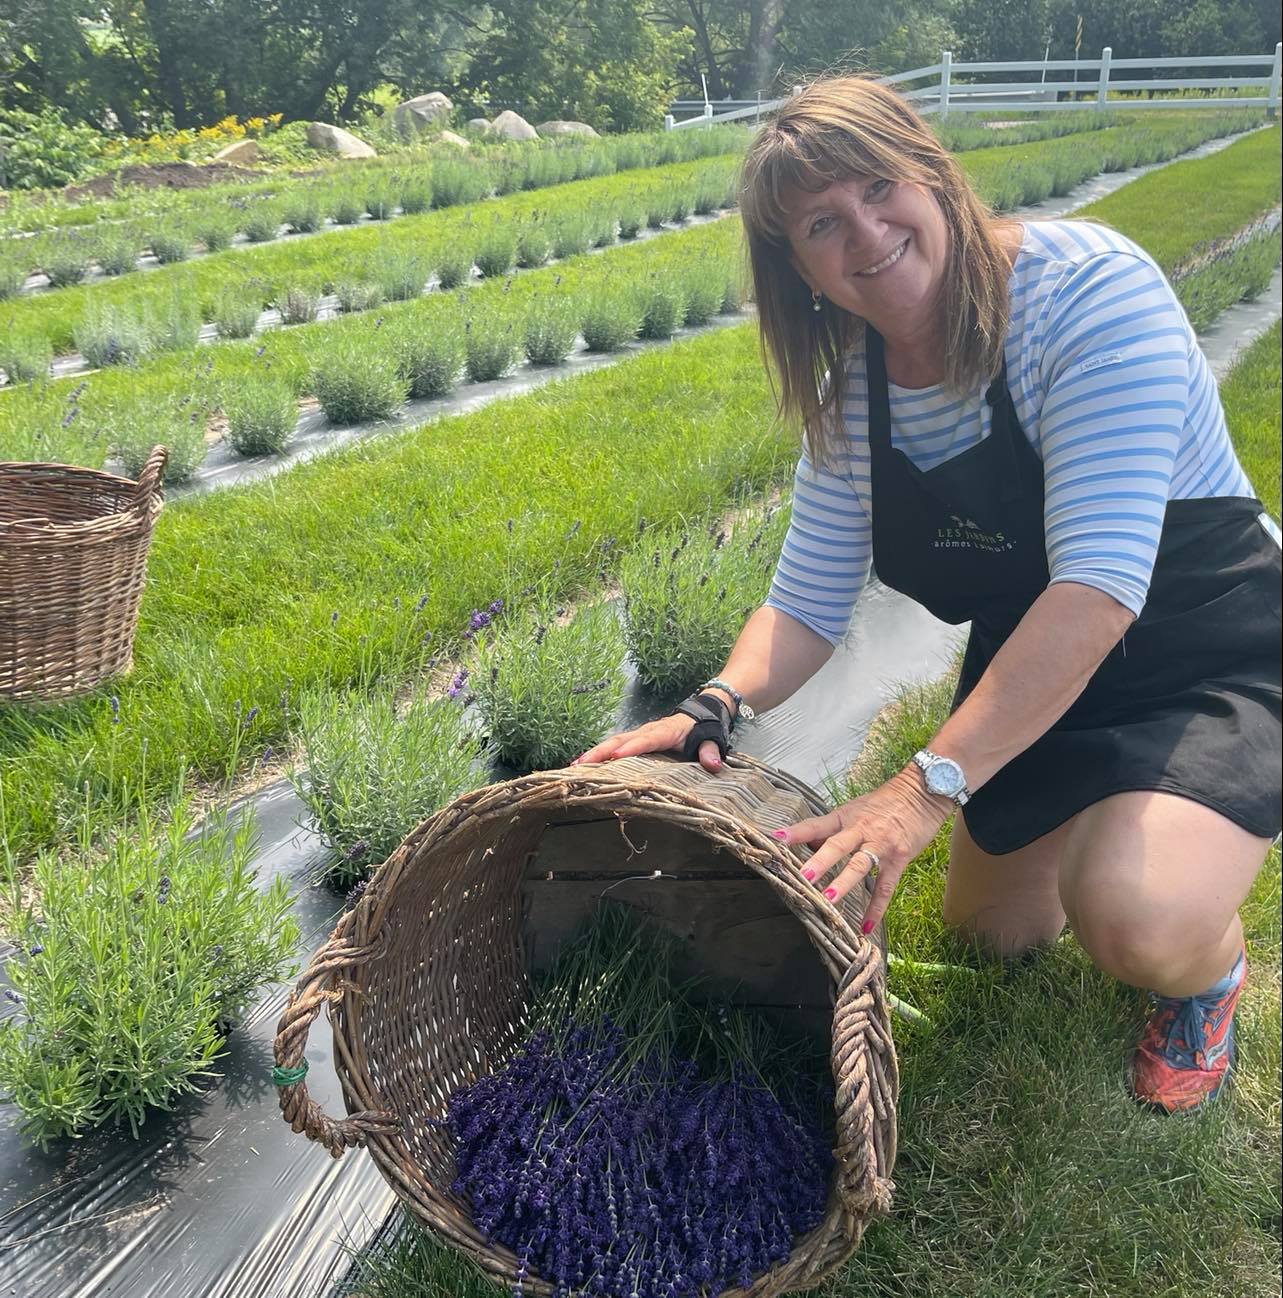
305,1002
859,1100
149,479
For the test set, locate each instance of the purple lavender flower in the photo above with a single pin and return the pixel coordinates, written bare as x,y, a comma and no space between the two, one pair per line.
457,683
478,620
115,710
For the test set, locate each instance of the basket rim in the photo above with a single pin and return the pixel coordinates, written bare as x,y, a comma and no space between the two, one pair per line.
139,506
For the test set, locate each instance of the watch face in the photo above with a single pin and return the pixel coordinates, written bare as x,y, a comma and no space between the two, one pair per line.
945,778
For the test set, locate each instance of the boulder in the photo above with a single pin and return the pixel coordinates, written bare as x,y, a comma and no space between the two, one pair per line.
325,138
449,137
480,125
417,114
512,126
565,128
241,151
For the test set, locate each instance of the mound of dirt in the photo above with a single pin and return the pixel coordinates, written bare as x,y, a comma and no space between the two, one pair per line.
162,175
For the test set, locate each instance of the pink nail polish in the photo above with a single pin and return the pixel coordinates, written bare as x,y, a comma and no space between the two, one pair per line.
781,834
808,875
831,894
867,927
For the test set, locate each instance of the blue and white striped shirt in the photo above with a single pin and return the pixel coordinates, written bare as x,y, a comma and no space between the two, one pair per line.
1113,393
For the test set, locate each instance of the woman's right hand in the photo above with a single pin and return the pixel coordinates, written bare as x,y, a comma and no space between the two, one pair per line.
668,733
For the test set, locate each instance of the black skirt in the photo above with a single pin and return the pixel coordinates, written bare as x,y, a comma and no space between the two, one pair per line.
1187,703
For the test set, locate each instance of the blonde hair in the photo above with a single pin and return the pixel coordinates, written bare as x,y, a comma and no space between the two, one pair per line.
835,128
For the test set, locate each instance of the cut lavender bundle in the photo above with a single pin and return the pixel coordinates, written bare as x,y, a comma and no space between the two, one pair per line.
638,1153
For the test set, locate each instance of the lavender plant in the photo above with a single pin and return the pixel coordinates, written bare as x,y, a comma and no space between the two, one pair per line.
705,287
346,208
118,252
662,307
109,336
175,326
380,202
458,182
236,316
370,770
170,243
534,245
25,357
546,688
496,252
430,354
401,277
631,218
303,214
214,230
610,318
358,295
356,384
415,196
261,222
67,260
688,592
491,348
135,426
261,415
572,234
454,266
552,327
147,941
297,304
13,275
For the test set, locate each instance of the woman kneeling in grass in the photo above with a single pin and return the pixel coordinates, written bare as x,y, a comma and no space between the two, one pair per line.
1014,424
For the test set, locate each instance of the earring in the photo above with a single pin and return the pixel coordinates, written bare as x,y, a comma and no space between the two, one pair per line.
816,298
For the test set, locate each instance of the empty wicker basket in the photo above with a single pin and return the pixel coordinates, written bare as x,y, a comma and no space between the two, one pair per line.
425,980
73,550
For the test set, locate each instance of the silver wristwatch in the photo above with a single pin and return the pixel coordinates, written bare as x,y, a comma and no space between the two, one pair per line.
942,776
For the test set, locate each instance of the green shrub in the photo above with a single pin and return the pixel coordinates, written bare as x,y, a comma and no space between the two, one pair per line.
303,214
679,207
41,150
111,336
663,307
415,197
733,293
705,287
214,230
657,212
261,222
458,182
358,295
135,427
298,304
68,260
236,316
491,348
687,593
609,319
25,357
534,246
601,228
551,330
571,235
13,275
401,277
454,267
170,244
380,203
546,691
430,354
371,771
346,209
176,327
706,197
631,218
1237,273
496,252
118,252
261,415
358,384
144,945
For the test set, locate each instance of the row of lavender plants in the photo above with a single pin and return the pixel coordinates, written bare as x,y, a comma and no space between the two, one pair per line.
365,368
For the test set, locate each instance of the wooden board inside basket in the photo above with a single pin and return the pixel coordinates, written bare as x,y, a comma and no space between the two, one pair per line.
739,934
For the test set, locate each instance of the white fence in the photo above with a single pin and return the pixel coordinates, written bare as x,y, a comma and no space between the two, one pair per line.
1094,80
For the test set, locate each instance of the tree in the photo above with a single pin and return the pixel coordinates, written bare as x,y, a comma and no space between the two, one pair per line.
598,61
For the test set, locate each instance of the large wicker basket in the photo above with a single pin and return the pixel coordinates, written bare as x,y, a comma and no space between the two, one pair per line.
73,550
426,978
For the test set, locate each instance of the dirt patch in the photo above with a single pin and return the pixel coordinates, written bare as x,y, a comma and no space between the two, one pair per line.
163,175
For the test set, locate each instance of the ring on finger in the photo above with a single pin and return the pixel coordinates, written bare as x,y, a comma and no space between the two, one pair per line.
874,859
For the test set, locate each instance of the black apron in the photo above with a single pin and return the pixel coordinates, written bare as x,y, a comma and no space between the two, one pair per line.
1188,702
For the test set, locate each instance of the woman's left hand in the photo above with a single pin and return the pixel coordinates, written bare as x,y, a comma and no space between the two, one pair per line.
893,823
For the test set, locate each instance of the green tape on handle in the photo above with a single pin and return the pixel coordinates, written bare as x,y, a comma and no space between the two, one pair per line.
289,1076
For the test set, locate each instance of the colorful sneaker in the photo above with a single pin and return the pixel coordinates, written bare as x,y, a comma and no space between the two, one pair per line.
1187,1049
